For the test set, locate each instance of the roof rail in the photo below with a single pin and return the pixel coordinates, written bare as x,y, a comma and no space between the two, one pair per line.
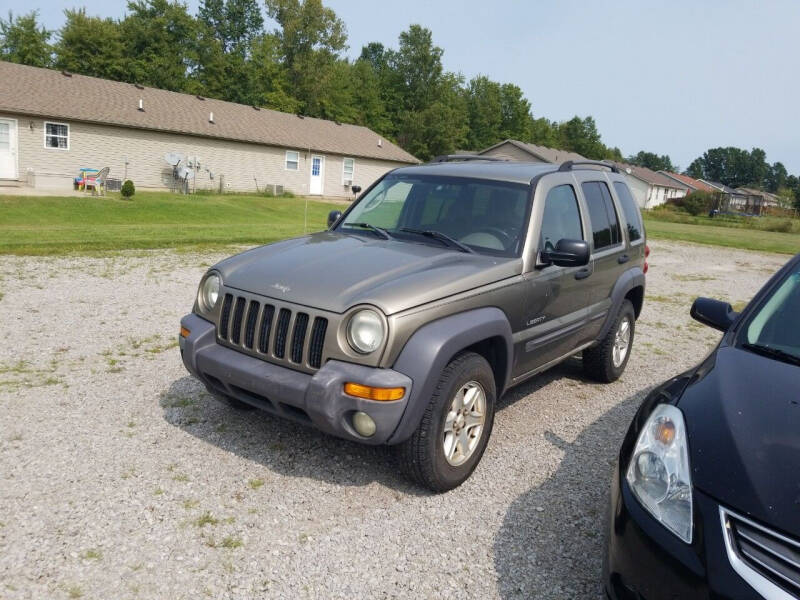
568,165
465,157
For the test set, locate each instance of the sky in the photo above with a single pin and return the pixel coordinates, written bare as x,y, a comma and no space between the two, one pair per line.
672,77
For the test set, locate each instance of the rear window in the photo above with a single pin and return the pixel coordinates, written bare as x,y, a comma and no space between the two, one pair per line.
633,218
602,215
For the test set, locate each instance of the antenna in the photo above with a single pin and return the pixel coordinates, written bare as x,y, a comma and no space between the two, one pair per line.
141,105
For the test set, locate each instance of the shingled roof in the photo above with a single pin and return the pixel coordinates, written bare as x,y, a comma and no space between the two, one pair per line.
543,153
648,176
52,94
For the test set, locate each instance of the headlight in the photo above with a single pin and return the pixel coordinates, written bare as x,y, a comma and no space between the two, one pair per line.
659,471
209,293
365,331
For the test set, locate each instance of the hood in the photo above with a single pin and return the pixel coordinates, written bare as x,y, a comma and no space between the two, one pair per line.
333,271
743,421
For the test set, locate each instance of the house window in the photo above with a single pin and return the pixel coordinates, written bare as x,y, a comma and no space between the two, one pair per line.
348,168
292,160
56,135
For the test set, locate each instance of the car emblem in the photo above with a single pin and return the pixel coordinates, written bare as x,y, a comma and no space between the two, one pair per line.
283,288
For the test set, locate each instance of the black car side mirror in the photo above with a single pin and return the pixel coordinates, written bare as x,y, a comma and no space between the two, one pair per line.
714,313
333,216
568,253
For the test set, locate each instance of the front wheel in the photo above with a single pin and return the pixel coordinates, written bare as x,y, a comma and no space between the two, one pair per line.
452,435
607,360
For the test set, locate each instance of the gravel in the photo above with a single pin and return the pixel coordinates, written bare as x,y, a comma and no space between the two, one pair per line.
121,477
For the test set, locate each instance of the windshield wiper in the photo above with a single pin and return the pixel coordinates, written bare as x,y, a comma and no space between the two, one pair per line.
379,230
442,237
771,352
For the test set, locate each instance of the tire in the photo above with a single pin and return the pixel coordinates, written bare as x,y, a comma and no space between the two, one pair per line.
232,402
423,456
600,362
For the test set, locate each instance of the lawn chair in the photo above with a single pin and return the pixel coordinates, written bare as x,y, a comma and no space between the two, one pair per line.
97,182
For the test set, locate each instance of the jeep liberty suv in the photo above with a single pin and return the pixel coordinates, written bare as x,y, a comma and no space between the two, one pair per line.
436,291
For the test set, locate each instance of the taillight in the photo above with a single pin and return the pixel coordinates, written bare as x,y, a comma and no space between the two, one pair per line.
646,255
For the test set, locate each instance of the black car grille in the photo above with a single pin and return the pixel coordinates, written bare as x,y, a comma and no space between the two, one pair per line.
774,556
274,333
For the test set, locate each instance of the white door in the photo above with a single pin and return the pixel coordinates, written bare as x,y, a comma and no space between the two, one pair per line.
317,172
8,149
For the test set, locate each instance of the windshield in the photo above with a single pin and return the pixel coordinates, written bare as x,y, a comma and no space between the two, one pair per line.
775,325
488,217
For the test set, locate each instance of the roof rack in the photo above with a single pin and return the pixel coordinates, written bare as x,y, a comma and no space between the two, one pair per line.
465,157
568,165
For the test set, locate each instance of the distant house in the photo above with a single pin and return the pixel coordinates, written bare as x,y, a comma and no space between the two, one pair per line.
53,124
651,188
524,152
730,199
692,184
757,200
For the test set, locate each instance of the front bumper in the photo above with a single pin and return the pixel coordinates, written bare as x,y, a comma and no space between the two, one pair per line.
318,400
644,561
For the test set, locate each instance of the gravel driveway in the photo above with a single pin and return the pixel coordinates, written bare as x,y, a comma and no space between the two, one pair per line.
121,477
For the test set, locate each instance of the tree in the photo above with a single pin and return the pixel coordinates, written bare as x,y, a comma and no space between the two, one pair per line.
776,177
581,136
160,39
516,121
732,166
367,97
417,68
23,41
235,23
90,46
485,113
652,161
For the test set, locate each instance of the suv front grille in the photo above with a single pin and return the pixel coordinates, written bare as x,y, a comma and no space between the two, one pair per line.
272,331
762,556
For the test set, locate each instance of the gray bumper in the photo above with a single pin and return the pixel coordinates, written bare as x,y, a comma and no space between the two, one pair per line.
317,400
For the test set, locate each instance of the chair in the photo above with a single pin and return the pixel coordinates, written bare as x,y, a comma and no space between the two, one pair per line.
97,182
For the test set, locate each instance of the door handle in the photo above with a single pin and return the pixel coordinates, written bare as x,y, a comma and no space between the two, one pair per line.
623,259
583,273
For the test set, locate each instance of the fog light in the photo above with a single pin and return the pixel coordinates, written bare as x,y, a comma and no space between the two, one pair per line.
364,424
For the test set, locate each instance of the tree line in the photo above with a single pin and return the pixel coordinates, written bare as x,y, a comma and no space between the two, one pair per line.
294,61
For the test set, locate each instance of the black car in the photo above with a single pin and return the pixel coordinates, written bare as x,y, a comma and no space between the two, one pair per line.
705,500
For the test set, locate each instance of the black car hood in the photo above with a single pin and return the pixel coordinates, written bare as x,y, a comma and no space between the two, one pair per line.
333,271
743,420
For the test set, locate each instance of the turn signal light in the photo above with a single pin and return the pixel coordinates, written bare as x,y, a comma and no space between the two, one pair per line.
185,332
373,393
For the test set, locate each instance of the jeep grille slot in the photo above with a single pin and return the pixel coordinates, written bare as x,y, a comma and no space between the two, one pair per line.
250,328
281,331
272,330
238,313
266,325
317,342
226,315
299,337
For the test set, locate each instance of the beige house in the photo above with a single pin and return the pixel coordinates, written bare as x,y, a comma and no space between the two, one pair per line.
54,124
524,152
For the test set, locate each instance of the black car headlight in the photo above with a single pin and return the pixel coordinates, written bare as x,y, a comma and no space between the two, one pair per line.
658,472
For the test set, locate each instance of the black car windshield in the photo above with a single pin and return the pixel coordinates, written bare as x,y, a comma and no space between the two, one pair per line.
774,328
487,217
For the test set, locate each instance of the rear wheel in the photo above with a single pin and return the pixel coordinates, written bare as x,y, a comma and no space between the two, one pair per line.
607,360
452,436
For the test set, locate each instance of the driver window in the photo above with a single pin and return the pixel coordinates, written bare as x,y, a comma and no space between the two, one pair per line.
561,218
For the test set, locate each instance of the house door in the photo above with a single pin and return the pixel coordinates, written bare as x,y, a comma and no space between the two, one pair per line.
8,149
317,172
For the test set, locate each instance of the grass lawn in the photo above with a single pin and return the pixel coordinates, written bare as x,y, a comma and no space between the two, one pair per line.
50,225
748,239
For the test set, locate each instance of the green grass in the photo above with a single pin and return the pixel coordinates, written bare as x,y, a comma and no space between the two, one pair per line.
747,239
49,225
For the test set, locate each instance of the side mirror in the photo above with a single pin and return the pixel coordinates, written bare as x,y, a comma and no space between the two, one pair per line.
356,189
714,313
568,253
333,216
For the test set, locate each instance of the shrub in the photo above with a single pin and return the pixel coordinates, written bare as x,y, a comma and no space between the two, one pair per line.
128,189
698,203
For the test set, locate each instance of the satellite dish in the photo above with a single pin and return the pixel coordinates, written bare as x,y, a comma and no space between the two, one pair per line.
185,173
173,158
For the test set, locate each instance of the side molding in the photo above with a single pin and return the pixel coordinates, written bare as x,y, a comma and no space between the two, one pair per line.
428,351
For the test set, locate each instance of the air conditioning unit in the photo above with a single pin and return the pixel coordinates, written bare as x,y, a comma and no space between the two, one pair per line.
278,190
348,182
